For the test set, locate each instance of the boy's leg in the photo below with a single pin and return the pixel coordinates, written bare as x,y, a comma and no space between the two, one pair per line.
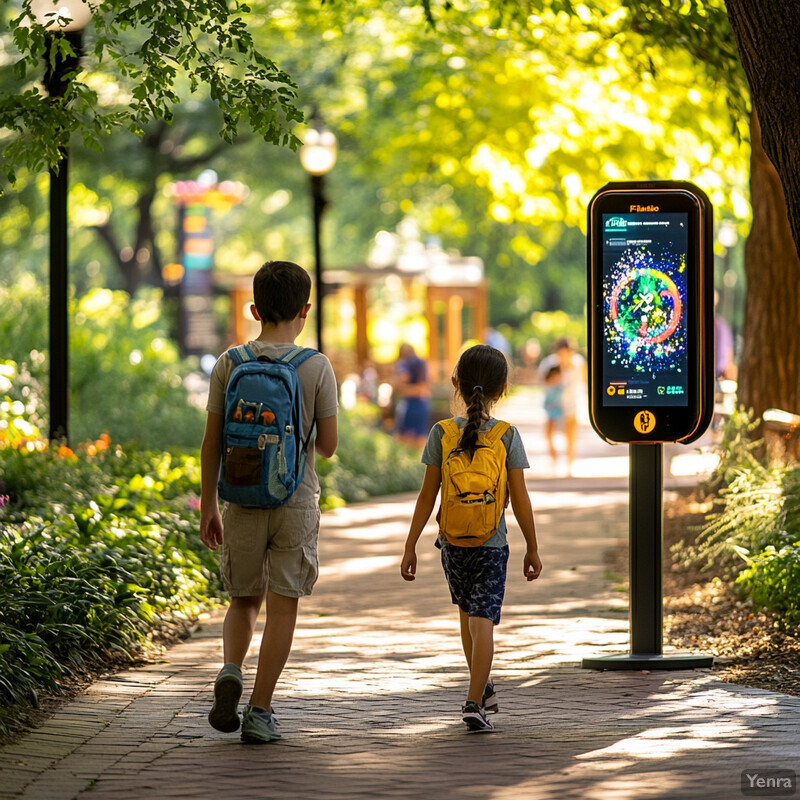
238,628
276,644
237,631
481,630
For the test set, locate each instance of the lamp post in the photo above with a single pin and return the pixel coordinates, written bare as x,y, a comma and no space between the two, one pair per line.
318,155
67,18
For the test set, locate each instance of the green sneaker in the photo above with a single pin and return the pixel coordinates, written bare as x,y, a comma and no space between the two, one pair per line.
224,714
259,726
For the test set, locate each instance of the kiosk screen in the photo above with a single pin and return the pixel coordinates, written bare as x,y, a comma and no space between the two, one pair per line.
644,261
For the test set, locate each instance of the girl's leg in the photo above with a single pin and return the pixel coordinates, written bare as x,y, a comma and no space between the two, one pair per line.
481,630
237,630
466,636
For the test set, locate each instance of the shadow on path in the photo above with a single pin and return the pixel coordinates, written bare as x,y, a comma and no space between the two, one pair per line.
369,704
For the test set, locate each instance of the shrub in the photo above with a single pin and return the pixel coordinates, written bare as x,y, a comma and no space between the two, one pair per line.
126,375
100,547
368,463
753,538
99,551
772,580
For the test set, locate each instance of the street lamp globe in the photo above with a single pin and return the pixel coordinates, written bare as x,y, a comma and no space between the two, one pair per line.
62,15
727,235
319,150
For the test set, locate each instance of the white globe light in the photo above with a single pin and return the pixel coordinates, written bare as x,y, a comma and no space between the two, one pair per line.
318,153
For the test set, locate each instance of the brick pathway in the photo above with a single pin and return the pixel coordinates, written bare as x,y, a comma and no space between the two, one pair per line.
370,698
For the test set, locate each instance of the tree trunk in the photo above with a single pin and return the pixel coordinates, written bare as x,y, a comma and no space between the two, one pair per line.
769,368
767,33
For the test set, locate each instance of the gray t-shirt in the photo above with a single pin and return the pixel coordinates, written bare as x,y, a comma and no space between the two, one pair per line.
515,459
320,399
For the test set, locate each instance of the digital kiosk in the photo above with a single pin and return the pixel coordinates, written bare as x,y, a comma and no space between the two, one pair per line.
651,367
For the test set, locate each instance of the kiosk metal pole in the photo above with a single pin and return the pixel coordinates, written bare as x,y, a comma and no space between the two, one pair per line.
645,547
645,538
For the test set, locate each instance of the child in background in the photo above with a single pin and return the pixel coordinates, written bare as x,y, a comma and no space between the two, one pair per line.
476,575
572,365
553,407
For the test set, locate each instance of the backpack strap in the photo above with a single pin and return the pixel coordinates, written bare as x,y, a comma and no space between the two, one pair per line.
450,431
241,353
449,426
297,355
497,431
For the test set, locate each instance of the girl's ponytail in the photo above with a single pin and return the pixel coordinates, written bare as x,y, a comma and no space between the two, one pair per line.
480,376
475,412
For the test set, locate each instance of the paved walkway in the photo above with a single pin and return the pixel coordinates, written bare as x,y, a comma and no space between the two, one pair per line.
370,698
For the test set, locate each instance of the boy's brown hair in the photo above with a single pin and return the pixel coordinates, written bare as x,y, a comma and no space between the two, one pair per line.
280,291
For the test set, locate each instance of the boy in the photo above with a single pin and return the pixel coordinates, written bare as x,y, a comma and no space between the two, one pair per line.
266,551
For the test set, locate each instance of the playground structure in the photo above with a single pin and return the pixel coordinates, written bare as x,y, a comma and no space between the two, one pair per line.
437,303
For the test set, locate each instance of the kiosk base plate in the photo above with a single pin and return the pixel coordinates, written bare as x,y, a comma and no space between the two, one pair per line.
640,661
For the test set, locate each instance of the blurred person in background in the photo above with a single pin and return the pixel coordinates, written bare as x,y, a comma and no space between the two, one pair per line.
572,373
411,385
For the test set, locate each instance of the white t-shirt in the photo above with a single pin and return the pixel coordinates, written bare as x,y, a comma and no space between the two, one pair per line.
320,399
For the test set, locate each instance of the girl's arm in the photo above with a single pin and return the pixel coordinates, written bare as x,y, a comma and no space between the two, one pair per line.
521,503
422,512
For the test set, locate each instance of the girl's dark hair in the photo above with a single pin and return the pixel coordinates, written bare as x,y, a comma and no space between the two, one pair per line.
481,375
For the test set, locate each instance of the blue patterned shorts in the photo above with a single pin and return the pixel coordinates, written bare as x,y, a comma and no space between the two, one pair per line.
477,578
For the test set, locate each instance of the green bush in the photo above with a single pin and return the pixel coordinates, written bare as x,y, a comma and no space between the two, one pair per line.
100,547
772,580
368,463
126,375
753,536
99,551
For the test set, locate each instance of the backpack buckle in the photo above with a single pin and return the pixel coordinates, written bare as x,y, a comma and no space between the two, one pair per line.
267,438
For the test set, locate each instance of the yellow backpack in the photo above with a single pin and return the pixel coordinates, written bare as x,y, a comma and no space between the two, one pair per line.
474,490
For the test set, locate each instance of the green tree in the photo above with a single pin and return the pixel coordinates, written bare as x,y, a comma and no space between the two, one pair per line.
148,48
494,138
492,129
765,33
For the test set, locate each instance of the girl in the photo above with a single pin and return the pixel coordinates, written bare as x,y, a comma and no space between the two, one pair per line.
476,575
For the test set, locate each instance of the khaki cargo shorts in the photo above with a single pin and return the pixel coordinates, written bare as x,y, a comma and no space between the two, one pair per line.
273,548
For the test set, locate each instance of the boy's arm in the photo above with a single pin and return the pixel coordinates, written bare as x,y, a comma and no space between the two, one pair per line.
521,504
422,512
210,459
327,436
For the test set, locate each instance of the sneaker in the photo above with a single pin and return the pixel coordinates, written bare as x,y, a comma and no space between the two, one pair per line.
475,717
489,700
259,726
224,714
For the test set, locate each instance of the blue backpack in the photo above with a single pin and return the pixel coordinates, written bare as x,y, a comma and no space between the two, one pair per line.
263,452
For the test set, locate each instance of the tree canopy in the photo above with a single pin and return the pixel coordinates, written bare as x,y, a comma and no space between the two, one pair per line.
491,124
138,55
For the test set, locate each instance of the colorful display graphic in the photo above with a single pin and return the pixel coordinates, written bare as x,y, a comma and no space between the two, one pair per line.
644,326
644,314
